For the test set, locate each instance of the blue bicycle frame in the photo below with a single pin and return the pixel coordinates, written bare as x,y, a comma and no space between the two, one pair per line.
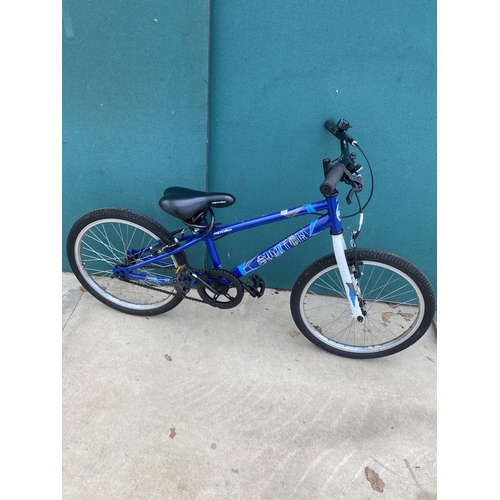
330,220
303,234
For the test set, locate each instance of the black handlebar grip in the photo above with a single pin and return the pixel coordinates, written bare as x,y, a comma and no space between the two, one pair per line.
332,179
330,126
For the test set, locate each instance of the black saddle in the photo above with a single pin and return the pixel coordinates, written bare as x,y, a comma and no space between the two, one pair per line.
185,203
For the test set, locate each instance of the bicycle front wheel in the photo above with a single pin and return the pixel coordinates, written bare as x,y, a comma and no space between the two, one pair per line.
105,238
397,298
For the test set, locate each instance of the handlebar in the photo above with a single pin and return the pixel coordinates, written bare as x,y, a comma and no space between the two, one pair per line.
343,168
340,129
330,126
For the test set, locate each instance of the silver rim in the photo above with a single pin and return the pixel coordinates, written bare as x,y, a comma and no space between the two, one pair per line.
392,299
103,244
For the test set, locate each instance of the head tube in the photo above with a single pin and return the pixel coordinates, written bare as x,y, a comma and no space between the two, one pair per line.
334,213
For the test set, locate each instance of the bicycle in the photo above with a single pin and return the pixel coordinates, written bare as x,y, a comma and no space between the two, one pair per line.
357,303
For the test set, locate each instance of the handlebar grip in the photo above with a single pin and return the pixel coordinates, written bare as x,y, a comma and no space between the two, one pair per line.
332,179
339,128
330,126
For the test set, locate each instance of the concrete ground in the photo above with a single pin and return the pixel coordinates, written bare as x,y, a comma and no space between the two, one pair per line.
200,403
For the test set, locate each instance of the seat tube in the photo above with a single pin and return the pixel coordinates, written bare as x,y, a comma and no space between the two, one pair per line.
212,251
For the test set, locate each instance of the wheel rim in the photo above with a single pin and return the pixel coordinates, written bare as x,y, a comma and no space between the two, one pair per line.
392,300
107,242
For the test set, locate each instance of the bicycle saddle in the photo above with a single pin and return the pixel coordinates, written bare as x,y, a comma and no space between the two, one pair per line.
185,203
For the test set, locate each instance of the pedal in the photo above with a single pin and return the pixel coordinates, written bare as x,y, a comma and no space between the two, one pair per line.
182,280
255,286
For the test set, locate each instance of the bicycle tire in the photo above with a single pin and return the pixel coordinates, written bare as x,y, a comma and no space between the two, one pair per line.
398,299
106,237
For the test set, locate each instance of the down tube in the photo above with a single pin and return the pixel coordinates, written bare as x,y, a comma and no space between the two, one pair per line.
303,234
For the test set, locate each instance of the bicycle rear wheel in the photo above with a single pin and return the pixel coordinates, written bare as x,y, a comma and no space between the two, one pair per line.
398,300
107,237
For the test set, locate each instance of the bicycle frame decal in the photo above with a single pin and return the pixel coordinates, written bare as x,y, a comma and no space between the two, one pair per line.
303,234
293,212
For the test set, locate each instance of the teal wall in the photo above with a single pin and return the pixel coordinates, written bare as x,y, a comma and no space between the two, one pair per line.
135,90
278,70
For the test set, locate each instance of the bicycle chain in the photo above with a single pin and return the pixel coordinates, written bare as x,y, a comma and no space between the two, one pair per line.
175,294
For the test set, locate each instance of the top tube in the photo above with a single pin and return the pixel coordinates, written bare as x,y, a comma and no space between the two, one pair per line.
309,208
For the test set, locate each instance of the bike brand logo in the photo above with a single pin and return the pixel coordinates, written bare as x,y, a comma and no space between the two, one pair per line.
275,251
282,247
261,260
222,231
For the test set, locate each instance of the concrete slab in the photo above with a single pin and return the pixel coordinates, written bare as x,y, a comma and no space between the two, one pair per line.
200,403
71,294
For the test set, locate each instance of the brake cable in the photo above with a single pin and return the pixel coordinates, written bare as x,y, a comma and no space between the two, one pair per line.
361,208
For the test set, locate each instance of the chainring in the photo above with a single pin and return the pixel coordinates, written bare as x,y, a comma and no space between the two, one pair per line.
220,288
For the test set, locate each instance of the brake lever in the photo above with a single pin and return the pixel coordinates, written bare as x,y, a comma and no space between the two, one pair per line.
356,183
349,196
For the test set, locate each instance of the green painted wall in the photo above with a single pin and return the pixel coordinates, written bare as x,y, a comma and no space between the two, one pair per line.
135,89
278,71
135,94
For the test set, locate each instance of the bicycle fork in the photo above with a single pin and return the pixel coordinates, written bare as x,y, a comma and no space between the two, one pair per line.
349,281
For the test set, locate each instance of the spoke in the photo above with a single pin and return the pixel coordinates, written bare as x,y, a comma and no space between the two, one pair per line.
391,295
99,272
119,231
326,298
390,301
343,313
326,286
108,243
340,333
337,282
352,327
378,292
336,285
93,250
97,257
372,331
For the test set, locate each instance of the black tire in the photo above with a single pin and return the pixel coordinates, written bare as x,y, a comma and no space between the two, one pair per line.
104,238
398,299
